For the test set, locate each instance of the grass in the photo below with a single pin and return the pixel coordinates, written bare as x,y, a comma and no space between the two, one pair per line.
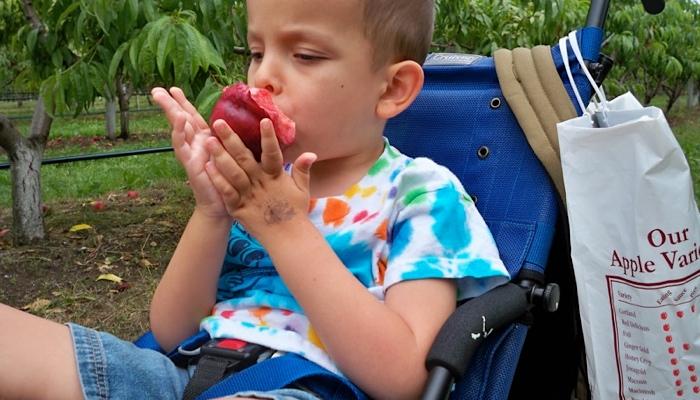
91,179
689,139
685,124
144,122
94,125
13,109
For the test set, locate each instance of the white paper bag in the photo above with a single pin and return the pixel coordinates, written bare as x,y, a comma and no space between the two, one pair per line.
635,246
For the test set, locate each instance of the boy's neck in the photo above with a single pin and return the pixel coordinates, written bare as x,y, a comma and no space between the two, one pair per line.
335,176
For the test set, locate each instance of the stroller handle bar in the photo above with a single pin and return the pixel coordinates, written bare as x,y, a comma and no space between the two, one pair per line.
598,11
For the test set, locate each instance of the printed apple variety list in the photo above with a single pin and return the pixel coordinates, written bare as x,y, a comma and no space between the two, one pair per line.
655,326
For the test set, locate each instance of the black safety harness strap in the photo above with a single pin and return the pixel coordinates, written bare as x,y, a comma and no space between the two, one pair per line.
210,370
220,358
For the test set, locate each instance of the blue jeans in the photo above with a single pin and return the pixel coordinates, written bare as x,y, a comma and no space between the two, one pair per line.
111,368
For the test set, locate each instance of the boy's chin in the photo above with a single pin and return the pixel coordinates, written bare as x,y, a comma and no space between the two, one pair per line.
291,153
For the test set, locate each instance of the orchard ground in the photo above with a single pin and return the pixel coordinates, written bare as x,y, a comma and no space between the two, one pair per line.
127,244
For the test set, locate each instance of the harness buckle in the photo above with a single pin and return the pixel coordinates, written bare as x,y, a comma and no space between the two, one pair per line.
219,358
240,354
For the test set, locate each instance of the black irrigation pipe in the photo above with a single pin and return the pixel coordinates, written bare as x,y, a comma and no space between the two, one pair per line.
98,156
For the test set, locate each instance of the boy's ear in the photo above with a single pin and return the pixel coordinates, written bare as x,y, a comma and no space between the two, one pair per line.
404,82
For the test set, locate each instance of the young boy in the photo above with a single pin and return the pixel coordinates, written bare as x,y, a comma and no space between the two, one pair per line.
353,256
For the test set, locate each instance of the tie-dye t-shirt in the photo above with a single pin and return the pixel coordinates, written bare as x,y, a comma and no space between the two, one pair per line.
406,219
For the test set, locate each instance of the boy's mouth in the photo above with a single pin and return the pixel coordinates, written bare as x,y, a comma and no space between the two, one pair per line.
243,108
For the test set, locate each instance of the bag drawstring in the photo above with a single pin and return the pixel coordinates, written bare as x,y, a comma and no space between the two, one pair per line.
599,115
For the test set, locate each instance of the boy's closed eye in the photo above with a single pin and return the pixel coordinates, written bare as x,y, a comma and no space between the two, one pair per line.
257,56
308,57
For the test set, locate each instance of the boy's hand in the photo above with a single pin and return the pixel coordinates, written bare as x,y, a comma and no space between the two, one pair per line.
259,195
189,134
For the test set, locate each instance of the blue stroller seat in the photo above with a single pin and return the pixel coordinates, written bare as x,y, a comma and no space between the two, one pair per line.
461,120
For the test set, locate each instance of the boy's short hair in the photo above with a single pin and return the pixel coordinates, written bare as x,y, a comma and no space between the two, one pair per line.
399,29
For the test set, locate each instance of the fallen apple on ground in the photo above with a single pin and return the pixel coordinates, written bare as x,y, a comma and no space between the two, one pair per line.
243,108
97,205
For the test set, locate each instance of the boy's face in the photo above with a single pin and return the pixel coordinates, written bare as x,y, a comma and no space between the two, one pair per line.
314,58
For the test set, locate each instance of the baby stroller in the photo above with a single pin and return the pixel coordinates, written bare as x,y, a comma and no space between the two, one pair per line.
466,121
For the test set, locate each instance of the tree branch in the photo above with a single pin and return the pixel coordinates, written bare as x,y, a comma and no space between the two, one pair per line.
9,136
41,124
32,16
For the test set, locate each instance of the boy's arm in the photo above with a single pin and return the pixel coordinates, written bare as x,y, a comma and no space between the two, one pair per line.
380,346
187,291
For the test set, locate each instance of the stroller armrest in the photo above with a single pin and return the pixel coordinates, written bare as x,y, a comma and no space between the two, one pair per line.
464,331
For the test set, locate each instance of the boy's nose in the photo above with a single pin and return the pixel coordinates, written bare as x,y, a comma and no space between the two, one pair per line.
266,78
269,88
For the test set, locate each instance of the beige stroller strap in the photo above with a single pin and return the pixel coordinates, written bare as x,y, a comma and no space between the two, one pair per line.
536,95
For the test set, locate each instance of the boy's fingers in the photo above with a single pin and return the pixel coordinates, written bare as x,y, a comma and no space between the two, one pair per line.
178,133
193,124
271,158
227,166
227,192
166,103
235,147
189,130
179,96
301,173
182,129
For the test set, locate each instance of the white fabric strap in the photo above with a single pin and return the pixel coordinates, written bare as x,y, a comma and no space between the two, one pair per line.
577,52
565,58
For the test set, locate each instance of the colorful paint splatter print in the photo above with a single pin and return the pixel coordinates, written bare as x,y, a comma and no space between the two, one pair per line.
406,219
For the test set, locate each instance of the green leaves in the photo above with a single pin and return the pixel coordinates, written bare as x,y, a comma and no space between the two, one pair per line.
654,53
171,50
117,60
207,98
673,68
85,46
31,39
73,89
63,17
166,45
482,26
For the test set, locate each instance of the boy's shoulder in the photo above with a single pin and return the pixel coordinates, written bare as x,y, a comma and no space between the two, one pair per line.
413,176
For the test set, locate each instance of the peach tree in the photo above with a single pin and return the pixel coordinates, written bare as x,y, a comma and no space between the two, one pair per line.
658,54
78,51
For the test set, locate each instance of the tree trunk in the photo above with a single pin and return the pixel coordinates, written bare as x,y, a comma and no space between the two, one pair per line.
123,93
651,93
673,95
25,156
111,118
693,94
